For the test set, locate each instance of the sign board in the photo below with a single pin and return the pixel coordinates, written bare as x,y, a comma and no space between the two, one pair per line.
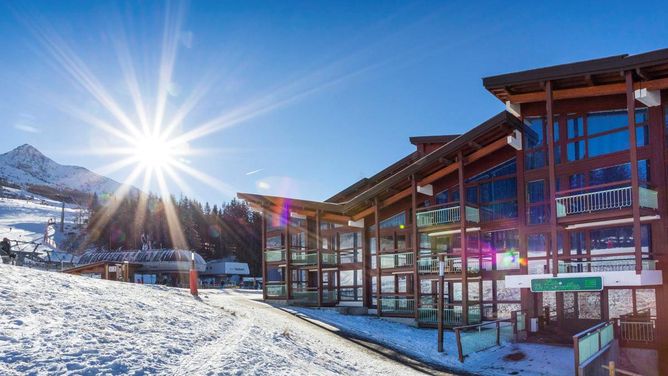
112,269
567,284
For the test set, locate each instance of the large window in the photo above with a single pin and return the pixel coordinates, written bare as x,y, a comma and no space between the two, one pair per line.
495,191
602,133
618,240
538,208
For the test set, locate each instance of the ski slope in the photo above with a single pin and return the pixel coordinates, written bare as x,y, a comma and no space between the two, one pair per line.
25,219
55,324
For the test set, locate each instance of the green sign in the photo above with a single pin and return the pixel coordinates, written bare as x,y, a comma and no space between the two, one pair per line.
567,284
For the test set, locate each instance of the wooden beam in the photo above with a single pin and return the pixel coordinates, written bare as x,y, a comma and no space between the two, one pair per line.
589,91
366,212
396,197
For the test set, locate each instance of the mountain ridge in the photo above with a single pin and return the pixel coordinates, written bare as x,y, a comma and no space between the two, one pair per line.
26,166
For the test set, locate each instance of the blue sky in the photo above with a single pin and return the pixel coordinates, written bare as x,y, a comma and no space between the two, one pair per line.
308,97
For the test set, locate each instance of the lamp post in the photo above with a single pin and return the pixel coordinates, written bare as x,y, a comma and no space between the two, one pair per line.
193,274
441,283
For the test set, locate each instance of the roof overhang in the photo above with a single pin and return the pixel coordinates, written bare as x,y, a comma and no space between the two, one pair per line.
596,77
481,141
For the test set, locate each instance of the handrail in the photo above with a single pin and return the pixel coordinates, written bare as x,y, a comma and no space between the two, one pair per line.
438,206
497,327
606,185
588,343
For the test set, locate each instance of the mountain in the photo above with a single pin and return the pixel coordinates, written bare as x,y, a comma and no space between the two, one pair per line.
27,166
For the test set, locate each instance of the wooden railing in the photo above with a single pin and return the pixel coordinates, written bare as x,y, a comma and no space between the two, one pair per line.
591,343
612,265
446,215
599,199
637,329
397,260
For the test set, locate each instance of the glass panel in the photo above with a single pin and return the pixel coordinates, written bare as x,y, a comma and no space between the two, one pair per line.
576,150
498,190
487,291
493,212
536,125
442,197
589,305
537,245
508,167
606,121
646,299
575,127
275,242
538,267
620,302
609,143
618,240
506,294
535,159
536,191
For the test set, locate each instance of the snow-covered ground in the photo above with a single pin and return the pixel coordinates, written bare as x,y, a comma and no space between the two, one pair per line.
54,324
421,343
25,220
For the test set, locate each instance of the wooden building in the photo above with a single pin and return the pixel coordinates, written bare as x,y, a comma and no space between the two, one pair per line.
568,182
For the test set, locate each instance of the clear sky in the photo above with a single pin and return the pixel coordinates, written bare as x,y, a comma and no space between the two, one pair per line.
297,98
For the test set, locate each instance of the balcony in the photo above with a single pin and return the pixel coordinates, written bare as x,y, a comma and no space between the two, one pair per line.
328,258
277,290
301,258
397,260
274,255
614,265
600,199
310,296
452,315
445,216
453,265
397,305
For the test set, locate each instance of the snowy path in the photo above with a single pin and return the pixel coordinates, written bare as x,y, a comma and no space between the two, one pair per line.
57,324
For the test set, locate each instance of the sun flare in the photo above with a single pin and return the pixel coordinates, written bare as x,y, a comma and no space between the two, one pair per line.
154,152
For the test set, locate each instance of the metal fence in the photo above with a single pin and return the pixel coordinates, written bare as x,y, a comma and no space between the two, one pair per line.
474,338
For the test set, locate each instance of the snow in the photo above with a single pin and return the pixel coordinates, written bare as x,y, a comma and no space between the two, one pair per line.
53,324
26,165
421,343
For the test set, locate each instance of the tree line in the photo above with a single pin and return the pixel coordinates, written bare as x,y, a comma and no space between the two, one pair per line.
231,229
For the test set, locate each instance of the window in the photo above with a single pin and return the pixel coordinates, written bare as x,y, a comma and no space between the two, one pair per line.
616,240
618,173
495,190
538,210
396,221
535,154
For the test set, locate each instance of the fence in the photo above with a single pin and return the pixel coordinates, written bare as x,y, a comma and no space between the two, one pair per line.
397,305
274,255
446,215
614,198
474,338
637,329
276,290
452,315
397,260
590,347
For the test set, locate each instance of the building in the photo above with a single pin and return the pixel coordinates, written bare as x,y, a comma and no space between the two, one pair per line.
568,182
219,272
162,266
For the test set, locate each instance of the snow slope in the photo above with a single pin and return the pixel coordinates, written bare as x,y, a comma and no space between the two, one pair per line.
26,165
53,324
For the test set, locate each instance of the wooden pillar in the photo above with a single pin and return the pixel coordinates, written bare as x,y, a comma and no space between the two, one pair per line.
288,254
263,220
525,294
366,301
635,181
552,178
376,211
464,242
318,252
416,244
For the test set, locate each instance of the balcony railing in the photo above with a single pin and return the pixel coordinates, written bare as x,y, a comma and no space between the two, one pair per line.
600,200
446,216
397,305
276,290
453,265
452,315
397,260
305,296
328,258
275,255
304,258
615,265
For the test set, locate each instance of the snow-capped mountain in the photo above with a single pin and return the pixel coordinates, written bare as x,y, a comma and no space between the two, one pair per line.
27,166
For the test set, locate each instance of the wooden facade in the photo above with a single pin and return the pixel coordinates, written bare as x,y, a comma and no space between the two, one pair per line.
569,182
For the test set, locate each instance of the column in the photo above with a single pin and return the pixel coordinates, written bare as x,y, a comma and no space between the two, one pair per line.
635,182
416,243
552,178
319,254
377,217
464,241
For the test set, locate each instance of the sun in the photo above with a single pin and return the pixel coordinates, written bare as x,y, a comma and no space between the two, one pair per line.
152,151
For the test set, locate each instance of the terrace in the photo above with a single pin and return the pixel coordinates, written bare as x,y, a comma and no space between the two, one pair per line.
606,197
445,214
